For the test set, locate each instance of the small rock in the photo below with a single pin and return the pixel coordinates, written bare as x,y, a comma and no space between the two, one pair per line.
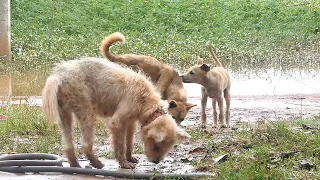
305,164
221,158
234,128
285,155
308,132
295,168
187,158
199,150
306,127
247,146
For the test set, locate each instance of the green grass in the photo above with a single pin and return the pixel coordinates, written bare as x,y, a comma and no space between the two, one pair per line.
262,160
266,33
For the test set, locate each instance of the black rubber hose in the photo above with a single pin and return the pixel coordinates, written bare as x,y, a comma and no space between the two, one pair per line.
23,163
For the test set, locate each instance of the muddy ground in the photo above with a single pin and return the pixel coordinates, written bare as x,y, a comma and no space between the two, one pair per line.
244,109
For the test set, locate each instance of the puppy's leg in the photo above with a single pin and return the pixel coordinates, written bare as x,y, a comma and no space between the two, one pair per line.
221,113
65,124
215,114
227,97
130,135
87,122
204,99
118,132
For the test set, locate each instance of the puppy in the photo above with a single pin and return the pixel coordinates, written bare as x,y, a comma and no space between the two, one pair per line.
92,87
165,77
214,82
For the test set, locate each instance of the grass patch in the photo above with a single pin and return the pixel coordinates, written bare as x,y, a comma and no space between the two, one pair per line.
244,32
268,151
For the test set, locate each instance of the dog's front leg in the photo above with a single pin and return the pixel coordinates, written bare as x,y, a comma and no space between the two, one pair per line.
130,135
118,131
204,99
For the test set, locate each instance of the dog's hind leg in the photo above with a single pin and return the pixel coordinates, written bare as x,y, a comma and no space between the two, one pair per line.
204,99
86,121
130,135
215,114
221,113
227,97
65,124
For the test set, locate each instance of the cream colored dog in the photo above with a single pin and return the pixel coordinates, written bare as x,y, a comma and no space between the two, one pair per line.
92,87
214,82
165,77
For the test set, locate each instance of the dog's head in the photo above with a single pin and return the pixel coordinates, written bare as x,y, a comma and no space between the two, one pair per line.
179,110
196,72
160,136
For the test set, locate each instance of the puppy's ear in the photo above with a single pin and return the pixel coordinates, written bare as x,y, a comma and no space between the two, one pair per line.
182,135
200,60
157,134
189,106
205,67
172,104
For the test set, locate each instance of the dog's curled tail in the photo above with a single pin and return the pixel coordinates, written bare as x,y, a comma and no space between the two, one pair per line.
108,41
49,98
214,57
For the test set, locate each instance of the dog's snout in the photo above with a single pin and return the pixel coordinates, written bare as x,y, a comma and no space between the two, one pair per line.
156,161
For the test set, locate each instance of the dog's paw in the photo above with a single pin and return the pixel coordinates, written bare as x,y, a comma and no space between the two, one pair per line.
223,126
203,126
133,160
75,164
127,165
97,164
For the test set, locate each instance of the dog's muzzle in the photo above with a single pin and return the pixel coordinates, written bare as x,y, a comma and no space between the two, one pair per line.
184,79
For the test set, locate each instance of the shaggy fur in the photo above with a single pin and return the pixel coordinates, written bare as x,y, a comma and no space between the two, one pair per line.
214,82
92,87
165,77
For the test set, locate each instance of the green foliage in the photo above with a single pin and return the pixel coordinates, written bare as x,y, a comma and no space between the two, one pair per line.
265,33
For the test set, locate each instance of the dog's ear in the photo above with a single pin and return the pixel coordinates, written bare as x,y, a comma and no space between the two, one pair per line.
182,135
157,134
205,67
200,60
189,106
172,104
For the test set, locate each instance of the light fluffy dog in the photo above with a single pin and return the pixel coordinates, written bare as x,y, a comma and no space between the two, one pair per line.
214,82
165,77
92,87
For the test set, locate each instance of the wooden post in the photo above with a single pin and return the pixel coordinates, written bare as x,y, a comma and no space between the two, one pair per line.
5,47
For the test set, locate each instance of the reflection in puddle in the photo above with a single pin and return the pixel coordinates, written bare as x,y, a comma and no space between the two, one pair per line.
269,82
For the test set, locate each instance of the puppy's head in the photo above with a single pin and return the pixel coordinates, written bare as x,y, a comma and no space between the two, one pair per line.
160,136
196,72
179,110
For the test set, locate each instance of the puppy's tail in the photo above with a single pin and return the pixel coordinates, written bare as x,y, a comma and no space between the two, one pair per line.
49,98
108,41
214,57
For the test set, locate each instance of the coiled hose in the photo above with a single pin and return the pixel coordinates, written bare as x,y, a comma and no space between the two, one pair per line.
42,162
